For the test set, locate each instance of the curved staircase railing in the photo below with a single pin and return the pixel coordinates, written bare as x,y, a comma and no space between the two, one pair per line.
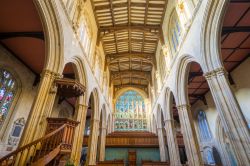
43,150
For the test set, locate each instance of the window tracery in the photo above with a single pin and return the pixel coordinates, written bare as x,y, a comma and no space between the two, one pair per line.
8,88
130,114
205,133
209,156
175,31
85,35
162,66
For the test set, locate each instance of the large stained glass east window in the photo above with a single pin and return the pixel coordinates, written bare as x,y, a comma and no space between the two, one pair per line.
7,92
130,112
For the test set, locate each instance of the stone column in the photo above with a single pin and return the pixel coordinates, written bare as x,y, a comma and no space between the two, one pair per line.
102,144
41,108
79,133
232,119
173,149
189,136
162,146
92,142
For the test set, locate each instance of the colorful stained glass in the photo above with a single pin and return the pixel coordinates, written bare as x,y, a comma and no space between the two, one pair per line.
7,91
130,112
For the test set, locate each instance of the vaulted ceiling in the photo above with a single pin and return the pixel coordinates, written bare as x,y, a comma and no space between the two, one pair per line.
129,31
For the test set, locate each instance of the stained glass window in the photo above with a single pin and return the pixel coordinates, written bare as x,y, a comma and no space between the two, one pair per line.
130,112
7,92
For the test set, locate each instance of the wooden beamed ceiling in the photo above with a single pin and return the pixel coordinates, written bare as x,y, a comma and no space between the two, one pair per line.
130,31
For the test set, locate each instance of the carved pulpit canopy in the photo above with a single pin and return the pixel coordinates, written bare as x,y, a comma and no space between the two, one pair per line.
68,88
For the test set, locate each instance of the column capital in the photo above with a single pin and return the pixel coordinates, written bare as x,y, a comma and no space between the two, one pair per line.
46,73
95,120
168,120
179,107
218,71
82,105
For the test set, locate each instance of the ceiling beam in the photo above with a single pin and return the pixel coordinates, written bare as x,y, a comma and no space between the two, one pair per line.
7,35
153,30
131,71
227,30
199,97
148,28
142,54
131,85
239,1
137,77
127,40
133,62
194,74
124,4
128,56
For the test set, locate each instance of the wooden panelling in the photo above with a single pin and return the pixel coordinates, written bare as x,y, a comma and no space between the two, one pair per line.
132,139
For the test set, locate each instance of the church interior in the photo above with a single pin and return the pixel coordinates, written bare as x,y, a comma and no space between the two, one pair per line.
125,82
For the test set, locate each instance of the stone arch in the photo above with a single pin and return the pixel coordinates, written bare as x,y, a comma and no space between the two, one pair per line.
160,116
93,105
182,79
109,123
53,35
95,94
171,128
103,116
169,96
211,34
81,76
154,124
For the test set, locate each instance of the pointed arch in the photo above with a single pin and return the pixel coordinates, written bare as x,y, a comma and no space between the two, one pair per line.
53,35
96,103
160,116
211,34
184,63
81,76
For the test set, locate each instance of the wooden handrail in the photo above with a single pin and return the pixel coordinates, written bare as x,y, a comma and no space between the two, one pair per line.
40,147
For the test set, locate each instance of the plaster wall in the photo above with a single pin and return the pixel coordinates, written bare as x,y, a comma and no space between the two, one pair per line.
242,87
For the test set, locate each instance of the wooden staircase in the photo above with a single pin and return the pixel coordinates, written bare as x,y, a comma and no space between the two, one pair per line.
52,149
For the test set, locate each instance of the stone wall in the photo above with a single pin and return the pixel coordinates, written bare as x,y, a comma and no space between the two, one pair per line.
23,100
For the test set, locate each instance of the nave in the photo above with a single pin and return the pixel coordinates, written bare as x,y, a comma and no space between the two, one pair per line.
124,82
